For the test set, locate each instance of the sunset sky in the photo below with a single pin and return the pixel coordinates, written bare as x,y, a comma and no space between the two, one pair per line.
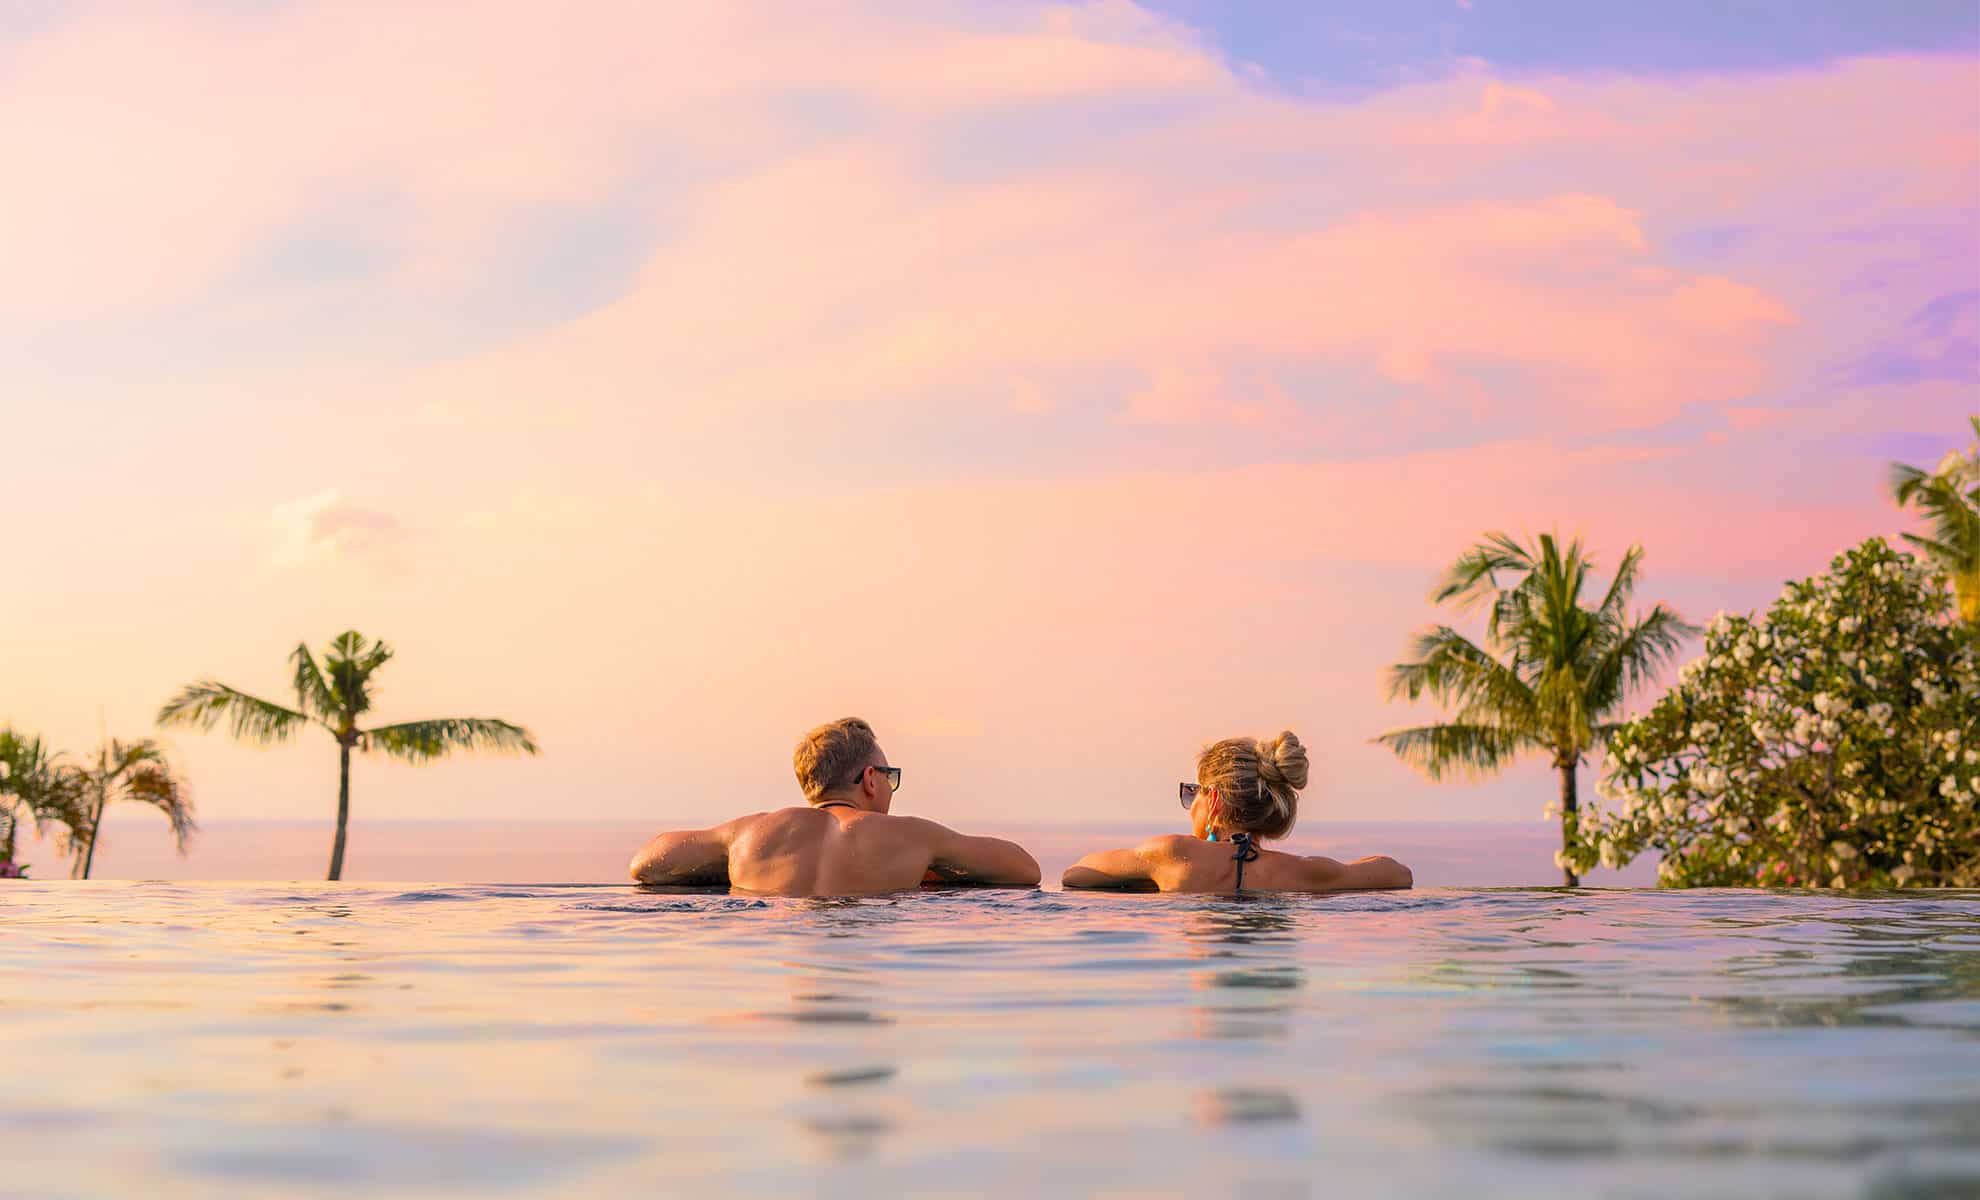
1059,386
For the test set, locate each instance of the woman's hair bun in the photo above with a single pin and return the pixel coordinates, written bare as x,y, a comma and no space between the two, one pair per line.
1283,760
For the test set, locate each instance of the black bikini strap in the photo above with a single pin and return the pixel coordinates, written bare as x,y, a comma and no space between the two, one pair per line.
835,804
1246,852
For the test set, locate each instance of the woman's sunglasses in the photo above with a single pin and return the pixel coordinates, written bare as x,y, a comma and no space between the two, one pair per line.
1189,791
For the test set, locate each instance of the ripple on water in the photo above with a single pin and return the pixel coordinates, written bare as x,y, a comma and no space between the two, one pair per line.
440,1039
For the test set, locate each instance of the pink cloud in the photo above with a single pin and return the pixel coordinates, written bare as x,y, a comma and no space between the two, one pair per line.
895,226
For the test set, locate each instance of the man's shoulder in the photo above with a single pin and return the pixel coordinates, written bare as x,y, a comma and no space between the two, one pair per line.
914,826
769,816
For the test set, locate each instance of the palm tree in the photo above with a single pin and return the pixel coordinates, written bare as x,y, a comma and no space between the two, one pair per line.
35,786
1949,498
132,771
1551,672
335,696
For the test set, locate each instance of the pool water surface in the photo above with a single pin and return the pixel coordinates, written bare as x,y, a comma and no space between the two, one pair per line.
172,1039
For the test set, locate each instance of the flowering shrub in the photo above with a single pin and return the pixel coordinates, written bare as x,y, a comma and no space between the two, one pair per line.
1833,741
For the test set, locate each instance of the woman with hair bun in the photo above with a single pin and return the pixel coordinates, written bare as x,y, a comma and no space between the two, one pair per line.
1246,792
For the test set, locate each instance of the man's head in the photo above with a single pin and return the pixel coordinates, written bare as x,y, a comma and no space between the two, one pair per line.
843,761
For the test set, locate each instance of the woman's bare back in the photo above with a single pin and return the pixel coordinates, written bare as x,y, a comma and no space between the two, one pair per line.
1179,863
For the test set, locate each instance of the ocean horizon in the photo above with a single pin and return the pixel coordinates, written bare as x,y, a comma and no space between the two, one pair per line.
136,846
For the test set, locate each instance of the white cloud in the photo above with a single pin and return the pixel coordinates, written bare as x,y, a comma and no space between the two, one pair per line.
323,528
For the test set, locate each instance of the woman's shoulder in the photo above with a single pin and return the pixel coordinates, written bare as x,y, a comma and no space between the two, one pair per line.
1169,846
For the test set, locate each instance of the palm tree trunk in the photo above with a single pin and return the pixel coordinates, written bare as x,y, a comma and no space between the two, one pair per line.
95,827
1569,821
343,809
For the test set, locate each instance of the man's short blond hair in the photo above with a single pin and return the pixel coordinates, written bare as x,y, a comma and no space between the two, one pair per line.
833,757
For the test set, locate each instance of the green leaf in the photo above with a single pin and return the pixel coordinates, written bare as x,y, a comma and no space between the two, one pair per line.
423,741
205,704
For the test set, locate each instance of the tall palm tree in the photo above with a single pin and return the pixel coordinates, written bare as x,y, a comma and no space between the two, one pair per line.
131,771
335,696
35,786
1550,674
1949,498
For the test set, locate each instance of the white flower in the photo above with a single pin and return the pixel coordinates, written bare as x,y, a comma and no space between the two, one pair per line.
1849,624
1843,850
1949,787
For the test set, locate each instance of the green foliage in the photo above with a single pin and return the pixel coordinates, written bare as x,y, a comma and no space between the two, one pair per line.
1834,740
1948,497
42,787
334,693
36,787
1550,667
204,704
422,741
132,773
1550,672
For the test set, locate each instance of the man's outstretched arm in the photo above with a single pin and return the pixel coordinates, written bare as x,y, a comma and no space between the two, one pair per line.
689,858
992,862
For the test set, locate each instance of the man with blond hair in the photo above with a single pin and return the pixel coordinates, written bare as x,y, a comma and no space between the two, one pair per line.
843,842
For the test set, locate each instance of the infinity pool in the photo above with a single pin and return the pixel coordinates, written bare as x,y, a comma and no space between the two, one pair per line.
179,1039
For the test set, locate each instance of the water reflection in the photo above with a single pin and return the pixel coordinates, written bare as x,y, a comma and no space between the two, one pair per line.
1245,1106
1240,1002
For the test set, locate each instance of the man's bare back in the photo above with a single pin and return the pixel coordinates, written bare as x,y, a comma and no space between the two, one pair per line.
835,850
845,844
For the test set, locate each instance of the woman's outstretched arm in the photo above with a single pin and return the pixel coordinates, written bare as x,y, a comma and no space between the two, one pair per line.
1120,870
1375,871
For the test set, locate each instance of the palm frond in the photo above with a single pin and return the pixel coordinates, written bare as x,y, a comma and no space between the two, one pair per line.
1467,750
1474,576
312,690
1634,658
1905,481
423,741
351,662
124,756
1454,670
205,704
1615,603
154,784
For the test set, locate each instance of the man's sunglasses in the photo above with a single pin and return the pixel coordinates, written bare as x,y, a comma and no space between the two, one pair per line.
893,775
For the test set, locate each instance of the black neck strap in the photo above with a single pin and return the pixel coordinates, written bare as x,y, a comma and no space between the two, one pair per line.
1246,852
